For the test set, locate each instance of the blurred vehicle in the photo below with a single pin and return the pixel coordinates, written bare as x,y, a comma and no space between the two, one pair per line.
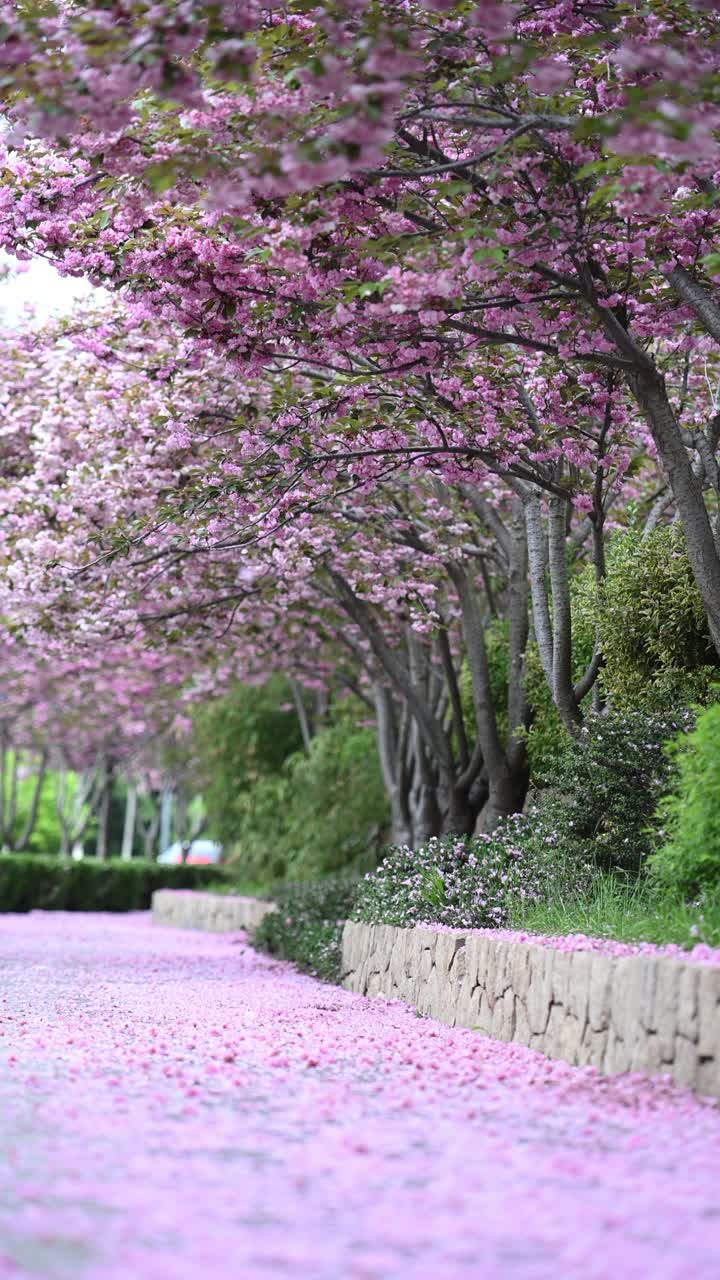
195,851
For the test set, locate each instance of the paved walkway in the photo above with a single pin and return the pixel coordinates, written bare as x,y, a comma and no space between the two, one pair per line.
175,1107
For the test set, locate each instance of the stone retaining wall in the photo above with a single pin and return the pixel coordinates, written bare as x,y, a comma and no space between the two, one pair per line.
648,1013
217,912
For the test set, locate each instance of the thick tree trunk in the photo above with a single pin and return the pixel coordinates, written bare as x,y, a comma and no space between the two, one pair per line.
648,387
506,769
461,814
507,796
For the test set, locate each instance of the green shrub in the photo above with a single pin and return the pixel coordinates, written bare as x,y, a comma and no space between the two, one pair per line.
689,858
600,796
651,621
307,926
324,813
31,883
242,739
460,881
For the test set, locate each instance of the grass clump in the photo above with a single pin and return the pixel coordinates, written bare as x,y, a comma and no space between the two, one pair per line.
626,911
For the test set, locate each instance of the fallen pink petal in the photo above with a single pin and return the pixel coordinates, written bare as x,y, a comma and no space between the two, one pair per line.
180,1106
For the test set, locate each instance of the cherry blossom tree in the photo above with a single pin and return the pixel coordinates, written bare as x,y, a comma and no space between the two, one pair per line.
390,269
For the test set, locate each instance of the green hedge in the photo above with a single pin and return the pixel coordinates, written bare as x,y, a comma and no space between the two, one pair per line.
29,883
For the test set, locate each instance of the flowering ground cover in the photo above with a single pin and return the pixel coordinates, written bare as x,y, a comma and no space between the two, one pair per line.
175,1105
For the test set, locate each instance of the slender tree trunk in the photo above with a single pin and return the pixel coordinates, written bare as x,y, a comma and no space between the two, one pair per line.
507,779
301,710
390,750
518,609
150,834
166,819
101,848
25,834
460,815
537,562
128,836
562,685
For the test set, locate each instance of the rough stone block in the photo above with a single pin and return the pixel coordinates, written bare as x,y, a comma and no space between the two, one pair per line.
709,1013
554,1036
522,1026
707,1077
578,993
593,1047
561,976
520,971
687,999
539,994
599,993
685,1062
617,1056
570,1038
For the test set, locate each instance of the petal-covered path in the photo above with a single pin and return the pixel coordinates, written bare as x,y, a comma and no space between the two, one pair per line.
174,1107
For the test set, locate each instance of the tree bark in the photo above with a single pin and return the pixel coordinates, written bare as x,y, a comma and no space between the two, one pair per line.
507,780
23,839
128,835
101,847
691,292
537,564
302,715
562,685
648,387
391,765
507,792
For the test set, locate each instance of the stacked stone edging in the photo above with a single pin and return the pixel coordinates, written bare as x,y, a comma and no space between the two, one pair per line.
216,912
650,1013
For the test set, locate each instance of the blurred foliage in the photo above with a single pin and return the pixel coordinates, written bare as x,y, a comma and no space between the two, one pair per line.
240,740
688,860
31,883
650,618
280,810
324,811
599,795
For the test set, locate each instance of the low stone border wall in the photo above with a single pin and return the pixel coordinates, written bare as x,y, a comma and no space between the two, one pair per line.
655,1014
217,912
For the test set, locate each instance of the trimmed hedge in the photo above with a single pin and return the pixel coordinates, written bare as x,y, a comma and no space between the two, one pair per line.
30,883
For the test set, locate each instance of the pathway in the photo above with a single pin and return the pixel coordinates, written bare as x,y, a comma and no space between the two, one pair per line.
175,1107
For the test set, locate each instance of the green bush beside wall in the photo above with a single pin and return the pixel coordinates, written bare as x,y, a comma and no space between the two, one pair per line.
51,884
